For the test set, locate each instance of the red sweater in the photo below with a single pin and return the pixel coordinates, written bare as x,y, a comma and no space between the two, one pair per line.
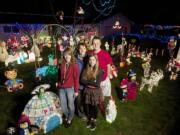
68,76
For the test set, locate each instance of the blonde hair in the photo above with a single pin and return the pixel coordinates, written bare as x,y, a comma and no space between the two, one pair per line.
89,74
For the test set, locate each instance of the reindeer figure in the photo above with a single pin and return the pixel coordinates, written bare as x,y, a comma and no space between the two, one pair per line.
154,79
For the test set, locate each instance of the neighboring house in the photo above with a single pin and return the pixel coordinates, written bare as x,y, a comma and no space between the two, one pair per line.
106,26
8,30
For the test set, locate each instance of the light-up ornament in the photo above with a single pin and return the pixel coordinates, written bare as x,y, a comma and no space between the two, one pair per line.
80,11
60,14
117,25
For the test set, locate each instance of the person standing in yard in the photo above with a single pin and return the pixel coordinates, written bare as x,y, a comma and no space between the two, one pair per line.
81,61
91,78
68,84
105,62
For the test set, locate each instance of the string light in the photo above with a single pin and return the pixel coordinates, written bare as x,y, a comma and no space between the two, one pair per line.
105,6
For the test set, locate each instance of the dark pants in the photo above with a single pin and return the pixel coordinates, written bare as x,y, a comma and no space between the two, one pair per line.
79,104
92,111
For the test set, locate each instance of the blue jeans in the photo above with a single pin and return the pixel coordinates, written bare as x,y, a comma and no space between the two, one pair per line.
67,102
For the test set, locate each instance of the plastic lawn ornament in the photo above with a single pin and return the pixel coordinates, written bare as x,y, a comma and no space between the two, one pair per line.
52,70
113,72
31,57
80,11
10,59
41,72
173,76
146,67
122,64
13,84
128,59
59,45
132,74
24,41
131,90
24,125
13,44
35,49
113,51
3,52
11,131
178,56
106,46
171,46
71,41
21,57
111,111
152,81
123,86
43,109
44,71
51,59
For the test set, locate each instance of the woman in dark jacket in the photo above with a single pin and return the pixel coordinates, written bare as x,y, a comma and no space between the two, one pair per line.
91,78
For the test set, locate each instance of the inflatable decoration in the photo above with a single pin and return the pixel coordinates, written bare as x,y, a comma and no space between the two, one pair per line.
43,109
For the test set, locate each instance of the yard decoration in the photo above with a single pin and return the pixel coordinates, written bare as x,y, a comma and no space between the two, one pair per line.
123,86
171,46
11,131
128,59
113,72
13,44
3,52
13,84
106,46
131,90
122,64
111,111
44,109
152,81
131,74
24,125
24,41
146,67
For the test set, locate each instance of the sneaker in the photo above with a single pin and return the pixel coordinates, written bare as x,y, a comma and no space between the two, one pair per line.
88,124
68,124
93,126
84,118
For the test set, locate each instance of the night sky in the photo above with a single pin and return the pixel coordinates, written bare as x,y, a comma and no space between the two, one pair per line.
43,11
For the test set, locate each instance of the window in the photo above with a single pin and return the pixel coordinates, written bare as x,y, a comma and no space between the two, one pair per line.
7,29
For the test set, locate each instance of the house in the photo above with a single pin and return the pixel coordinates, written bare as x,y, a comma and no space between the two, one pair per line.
106,26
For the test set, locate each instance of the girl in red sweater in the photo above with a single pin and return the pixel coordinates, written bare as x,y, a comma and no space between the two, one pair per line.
68,84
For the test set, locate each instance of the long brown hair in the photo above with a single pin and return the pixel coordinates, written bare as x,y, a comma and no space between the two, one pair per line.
69,51
89,74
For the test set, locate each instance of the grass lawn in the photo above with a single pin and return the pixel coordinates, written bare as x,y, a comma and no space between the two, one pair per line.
156,113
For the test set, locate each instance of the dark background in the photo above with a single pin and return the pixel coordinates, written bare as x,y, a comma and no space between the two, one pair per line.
44,11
